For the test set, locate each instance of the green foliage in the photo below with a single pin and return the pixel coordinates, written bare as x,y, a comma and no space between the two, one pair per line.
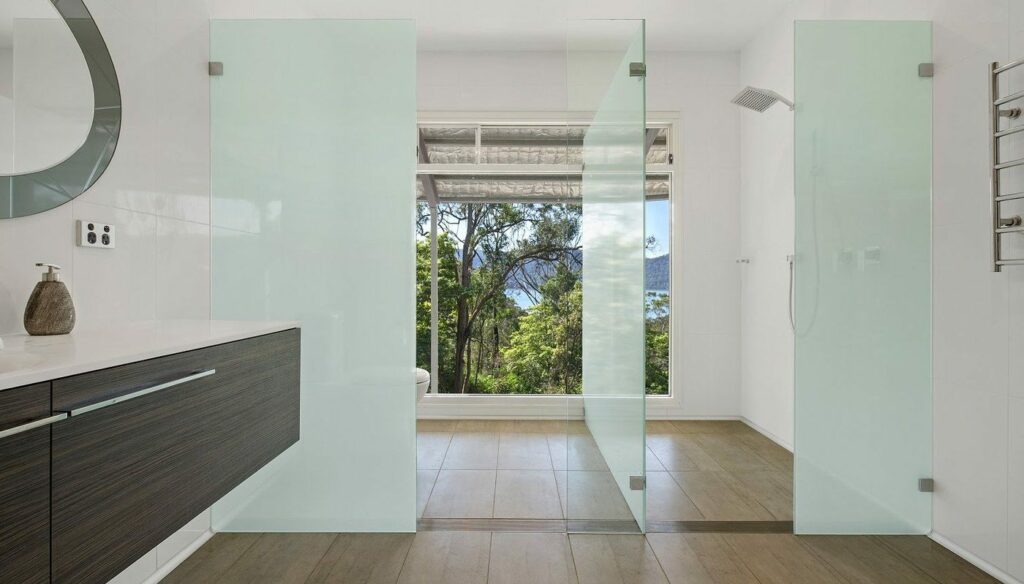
532,249
657,334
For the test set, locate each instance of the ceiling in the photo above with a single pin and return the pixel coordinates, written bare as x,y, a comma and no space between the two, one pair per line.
459,25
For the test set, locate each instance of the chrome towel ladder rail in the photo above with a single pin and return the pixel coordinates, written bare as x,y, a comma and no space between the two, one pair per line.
1013,224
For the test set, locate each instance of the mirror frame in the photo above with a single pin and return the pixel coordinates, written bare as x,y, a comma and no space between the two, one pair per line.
41,190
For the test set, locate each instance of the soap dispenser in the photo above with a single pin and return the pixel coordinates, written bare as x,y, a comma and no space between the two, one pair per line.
50,310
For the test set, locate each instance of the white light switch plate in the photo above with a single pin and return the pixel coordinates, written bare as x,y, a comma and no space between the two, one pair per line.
94,234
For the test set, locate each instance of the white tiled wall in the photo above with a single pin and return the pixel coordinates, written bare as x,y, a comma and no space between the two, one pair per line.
156,192
978,412
695,87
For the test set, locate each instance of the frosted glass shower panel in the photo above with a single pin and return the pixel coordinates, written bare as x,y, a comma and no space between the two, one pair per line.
863,277
313,209
606,60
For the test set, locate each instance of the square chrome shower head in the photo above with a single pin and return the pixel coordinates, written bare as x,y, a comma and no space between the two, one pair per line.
759,99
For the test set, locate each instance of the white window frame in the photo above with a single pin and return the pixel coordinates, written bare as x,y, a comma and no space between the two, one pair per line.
556,407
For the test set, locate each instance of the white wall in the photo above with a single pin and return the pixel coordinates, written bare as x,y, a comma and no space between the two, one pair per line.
978,401
156,192
697,88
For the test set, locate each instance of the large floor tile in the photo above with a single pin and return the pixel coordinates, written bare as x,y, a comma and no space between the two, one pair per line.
461,494
527,494
534,558
362,558
718,501
436,425
591,495
653,464
864,559
780,559
681,452
287,558
615,559
772,489
690,558
485,426
425,480
667,502
210,562
575,452
447,557
472,451
521,451
731,454
431,448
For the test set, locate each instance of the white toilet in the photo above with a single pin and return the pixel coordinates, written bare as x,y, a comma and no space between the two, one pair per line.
422,383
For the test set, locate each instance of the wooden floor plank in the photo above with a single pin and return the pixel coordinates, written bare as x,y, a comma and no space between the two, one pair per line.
864,560
698,559
213,559
363,558
615,559
780,559
936,561
447,557
284,558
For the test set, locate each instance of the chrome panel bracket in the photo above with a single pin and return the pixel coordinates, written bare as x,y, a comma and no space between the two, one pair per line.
926,485
216,68
637,483
926,70
638,70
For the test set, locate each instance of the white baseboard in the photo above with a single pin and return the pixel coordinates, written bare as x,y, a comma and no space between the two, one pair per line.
978,562
177,560
767,434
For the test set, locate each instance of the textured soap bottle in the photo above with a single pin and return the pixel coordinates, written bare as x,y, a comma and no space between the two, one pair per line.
50,310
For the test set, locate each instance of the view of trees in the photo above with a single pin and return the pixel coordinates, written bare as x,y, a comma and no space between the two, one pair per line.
510,304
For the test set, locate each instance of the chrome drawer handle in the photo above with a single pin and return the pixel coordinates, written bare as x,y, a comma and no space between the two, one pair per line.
32,425
141,392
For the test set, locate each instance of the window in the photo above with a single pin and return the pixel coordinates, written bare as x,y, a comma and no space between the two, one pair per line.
499,247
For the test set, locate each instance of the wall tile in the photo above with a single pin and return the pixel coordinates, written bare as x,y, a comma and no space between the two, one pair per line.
182,269
970,503
1016,489
116,285
46,237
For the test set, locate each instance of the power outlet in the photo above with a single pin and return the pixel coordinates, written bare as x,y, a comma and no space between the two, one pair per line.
94,234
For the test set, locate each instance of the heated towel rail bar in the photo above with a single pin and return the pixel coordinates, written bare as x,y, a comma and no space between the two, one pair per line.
1013,224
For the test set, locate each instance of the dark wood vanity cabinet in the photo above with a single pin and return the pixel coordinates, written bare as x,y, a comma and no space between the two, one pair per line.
146,447
25,485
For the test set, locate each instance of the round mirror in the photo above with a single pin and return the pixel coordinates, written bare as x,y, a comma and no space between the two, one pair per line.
60,105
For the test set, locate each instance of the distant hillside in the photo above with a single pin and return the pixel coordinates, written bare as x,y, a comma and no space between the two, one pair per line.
657,275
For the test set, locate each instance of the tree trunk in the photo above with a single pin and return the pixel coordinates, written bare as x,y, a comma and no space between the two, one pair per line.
462,325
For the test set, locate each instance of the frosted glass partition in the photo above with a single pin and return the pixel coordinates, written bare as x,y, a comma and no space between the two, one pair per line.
313,215
863,277
600,55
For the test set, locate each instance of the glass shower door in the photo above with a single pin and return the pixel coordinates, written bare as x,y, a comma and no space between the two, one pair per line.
863,277
606,77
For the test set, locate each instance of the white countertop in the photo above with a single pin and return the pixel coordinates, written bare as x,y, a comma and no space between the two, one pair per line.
25,359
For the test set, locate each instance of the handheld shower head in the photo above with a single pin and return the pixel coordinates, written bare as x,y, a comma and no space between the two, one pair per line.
759,99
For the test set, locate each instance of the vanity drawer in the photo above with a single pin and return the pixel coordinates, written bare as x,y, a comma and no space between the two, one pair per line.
128,474
25,484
